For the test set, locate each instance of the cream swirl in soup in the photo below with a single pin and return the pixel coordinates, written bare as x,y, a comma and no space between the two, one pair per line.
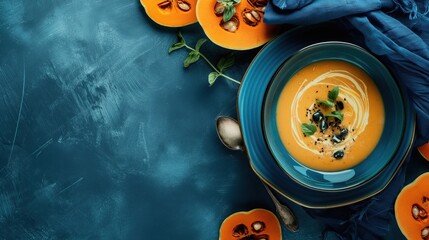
346,141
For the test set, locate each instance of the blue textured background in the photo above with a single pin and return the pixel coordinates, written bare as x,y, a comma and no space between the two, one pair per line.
115,139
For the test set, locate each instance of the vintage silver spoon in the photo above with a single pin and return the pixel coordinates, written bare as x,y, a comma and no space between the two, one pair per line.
229,133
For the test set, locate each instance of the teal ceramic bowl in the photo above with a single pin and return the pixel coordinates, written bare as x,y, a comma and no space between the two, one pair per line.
391,135
250,101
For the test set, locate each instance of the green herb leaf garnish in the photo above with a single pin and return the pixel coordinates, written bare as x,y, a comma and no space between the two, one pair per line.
308,129
199,44
229,8
229,12
335,114
327,103
212,77
181,43
195,55
226,62
175,47
333,94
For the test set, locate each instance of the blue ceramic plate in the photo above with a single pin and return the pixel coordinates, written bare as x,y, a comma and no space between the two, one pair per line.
394,115
250,103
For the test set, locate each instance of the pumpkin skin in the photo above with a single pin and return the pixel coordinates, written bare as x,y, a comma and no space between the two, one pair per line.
245,37
416,194
169,13
255,224
424,151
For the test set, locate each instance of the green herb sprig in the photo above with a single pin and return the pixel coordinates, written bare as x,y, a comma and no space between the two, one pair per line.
229,8
332,96
194,55
327,103
335,114
308,129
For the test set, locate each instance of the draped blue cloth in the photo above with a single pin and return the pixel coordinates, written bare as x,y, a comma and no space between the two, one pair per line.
397,31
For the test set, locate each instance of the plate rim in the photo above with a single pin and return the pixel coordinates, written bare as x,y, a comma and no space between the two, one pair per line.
412,125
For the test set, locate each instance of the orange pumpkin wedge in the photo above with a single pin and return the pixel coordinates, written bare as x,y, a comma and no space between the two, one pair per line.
245,30
424,151
255,224
171,13
412,209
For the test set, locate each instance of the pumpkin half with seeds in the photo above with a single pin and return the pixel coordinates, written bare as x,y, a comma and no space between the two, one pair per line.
235,24
412,209
171,13
258,224
424,151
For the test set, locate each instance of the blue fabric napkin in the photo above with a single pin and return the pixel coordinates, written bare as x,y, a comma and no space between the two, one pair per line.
397,31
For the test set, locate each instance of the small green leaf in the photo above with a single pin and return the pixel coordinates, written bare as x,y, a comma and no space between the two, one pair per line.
181,43
229,13
308,129
229,2
175,47
327,103
335,114
181,38
193,56
200,43
212,77
226,62
333,94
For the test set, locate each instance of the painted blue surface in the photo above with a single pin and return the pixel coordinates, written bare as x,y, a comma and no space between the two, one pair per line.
103,135
116,140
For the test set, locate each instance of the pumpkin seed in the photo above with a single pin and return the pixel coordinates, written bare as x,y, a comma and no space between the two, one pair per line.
323,125
251,17
164,5
338,154
337,138
219,9
258,3
231,25
240,230
425,232
317,116
344,132
183,5
258,226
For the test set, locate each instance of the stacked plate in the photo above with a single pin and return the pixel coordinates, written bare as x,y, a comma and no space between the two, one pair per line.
259,91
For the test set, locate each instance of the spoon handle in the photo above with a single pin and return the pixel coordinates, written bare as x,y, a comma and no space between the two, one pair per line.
229,133
286,215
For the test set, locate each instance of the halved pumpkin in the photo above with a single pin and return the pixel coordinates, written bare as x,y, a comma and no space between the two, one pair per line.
245,30
412,209
257,224
171,13
424,150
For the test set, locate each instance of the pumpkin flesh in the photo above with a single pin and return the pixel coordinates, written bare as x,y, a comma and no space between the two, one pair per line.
412,209
171,13
424,151
250,31
253,225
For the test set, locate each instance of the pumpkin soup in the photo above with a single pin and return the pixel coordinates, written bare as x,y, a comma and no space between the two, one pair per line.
330,115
